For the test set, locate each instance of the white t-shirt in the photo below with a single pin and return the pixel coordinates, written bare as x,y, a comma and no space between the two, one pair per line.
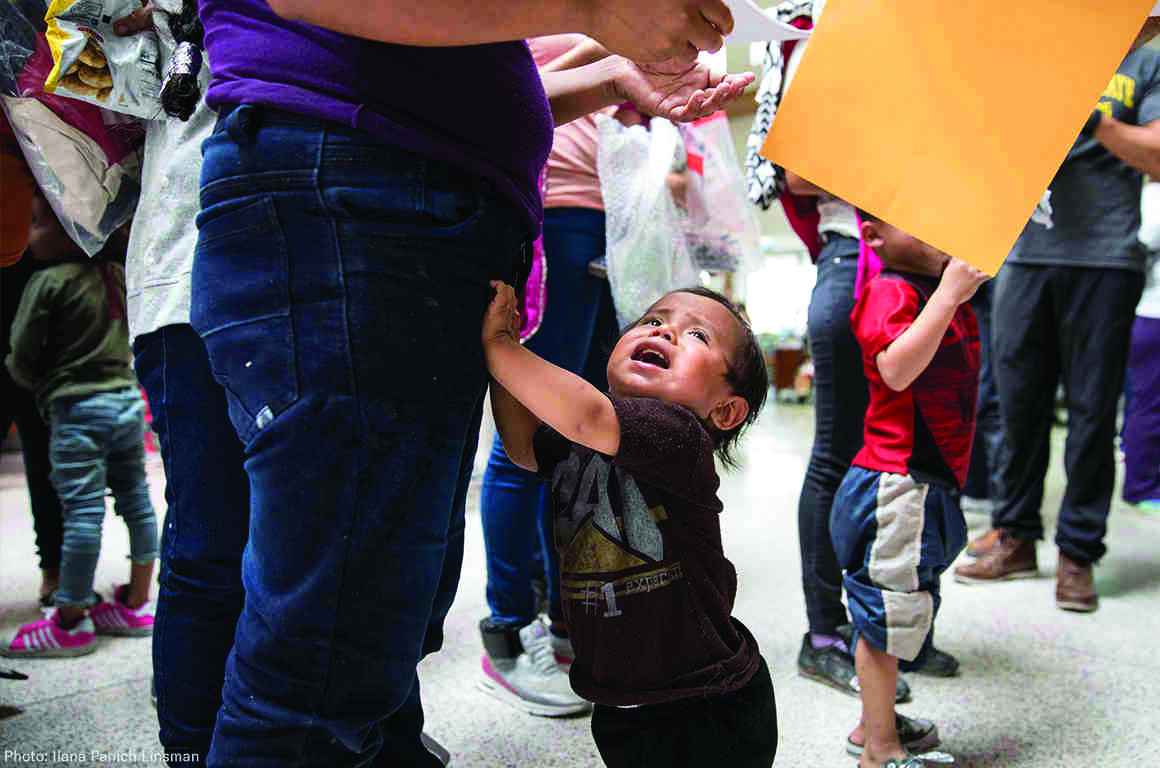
1149,305
164,233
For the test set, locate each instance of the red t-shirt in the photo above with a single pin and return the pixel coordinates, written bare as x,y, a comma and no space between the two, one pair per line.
926,430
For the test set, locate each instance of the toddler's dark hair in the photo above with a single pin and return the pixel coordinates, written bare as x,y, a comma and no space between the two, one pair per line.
747,376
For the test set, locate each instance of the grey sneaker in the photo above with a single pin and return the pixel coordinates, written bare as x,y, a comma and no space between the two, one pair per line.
530,679
916,735
562,647
939,664
834,667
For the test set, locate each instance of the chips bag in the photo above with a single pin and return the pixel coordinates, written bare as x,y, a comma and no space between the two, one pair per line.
93,64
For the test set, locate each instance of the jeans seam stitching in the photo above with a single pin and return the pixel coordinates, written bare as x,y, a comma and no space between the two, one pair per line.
329,662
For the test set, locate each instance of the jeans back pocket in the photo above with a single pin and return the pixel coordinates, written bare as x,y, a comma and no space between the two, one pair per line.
241,309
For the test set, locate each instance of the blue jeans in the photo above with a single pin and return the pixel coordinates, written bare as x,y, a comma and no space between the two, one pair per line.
208,498
339,287
577,334
840,400
97,443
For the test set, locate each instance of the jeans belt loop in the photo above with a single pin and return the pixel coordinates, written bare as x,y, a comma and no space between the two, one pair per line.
243,123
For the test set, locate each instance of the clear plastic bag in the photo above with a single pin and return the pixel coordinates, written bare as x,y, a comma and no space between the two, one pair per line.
86,160
722,231
93,64
646,249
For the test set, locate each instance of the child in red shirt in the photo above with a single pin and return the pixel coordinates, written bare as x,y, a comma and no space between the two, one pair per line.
896,523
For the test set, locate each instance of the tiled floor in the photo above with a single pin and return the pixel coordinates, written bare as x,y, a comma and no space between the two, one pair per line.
1039,687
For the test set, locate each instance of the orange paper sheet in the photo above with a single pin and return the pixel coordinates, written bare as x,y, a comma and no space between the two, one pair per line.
949,119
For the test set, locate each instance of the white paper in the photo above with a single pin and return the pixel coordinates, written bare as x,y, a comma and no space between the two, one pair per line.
1156,10
753,25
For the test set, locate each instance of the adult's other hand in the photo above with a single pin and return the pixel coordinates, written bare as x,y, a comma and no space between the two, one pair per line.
140,20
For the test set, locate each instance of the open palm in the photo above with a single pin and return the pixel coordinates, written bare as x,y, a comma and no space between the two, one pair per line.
681,96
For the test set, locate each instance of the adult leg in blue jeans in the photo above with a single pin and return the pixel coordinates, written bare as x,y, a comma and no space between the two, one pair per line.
404,743
840,399
578,328
208,498
339,288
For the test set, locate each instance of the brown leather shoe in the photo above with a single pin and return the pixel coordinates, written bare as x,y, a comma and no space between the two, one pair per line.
1074,590
983,544
1010,558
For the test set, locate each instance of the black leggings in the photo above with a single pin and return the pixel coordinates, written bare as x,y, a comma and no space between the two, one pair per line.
840,399
17,405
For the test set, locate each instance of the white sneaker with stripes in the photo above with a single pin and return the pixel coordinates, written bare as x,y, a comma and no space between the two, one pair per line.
113,617
46,639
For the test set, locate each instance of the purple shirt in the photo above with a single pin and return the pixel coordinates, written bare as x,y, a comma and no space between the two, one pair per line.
480,107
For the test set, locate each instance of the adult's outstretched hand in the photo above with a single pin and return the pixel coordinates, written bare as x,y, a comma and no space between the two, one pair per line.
681,97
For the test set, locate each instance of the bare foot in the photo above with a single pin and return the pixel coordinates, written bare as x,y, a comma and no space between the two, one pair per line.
871,760
858,735
68,616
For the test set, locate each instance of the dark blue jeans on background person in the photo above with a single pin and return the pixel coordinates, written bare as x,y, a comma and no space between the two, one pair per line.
205,530
577,333
982,478
840,400
339,287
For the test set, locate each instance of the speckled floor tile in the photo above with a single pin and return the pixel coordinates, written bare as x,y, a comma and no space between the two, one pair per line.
1039,688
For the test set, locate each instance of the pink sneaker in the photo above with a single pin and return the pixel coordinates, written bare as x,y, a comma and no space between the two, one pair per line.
46,639
113,617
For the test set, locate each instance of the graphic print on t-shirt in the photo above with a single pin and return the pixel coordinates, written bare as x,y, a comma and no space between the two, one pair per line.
607,535
1120,95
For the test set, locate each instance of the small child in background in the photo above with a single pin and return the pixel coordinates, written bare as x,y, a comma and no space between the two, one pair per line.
896,523
70,345
647,590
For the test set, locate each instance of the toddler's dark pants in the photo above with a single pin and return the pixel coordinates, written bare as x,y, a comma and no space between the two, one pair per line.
737,729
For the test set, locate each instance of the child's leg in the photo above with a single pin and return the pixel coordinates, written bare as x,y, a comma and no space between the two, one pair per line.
878,674
126,471
77,443
878,527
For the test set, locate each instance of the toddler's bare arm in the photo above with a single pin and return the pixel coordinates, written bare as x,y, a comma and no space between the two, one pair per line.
561,399
909,355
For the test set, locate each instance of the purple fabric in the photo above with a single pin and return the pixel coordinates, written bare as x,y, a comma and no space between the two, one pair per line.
481,107
869,264
1142,420
535,297
534,300
818,641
